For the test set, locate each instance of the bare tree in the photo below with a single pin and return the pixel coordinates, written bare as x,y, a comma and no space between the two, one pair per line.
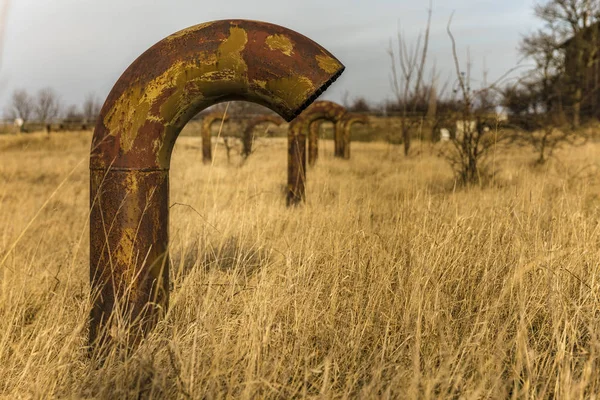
72,114
544,49
476,120
91,107
549,138
536,103
359,104
433,99
535,125
408,67
47,105
22,106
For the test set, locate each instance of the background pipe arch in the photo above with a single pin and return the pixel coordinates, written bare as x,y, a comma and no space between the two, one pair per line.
298,132
134,138
345,127
248,138
207,122
318,112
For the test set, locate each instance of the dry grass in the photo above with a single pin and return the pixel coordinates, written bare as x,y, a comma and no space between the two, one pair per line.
387,284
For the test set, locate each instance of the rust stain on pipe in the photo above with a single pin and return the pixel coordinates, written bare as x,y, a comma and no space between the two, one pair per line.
135,134
207,122
298,132
248,138
345,126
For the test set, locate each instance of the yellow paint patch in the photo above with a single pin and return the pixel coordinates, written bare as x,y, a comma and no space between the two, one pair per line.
131,111
132,183
124,251
154,118
328,64
189,30
230,51
156,143
281,43
294,89
259,83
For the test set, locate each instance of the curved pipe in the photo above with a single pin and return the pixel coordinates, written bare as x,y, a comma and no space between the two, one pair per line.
248,139
298,131
313,129
207,122
135,134
345,126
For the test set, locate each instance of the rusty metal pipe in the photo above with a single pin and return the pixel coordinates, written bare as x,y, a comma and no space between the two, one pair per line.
313,142
135,134
324,111
207,122
296,163
248,139
345,126
298,132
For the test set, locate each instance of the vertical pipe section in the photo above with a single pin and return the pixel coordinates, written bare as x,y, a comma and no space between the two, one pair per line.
296,163
128,250
134,137
313,142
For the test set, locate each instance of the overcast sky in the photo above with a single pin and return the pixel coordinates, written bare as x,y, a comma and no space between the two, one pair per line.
83,46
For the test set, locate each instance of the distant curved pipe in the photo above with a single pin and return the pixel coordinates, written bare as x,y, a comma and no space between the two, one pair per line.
298,132
207,122
248,139
134,138
346,126
324,111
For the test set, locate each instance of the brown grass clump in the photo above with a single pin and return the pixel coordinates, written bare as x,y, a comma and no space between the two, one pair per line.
388,283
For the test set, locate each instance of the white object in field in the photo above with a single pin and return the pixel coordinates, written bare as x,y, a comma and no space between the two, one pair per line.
444,135
462,126
19,122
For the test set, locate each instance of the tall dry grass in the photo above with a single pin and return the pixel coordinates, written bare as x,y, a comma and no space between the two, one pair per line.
389,283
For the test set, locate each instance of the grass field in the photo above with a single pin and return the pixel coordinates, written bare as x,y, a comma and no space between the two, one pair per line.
389,283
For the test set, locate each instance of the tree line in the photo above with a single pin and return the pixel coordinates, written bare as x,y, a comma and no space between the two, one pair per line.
561,87
45,107
542,106
545,105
